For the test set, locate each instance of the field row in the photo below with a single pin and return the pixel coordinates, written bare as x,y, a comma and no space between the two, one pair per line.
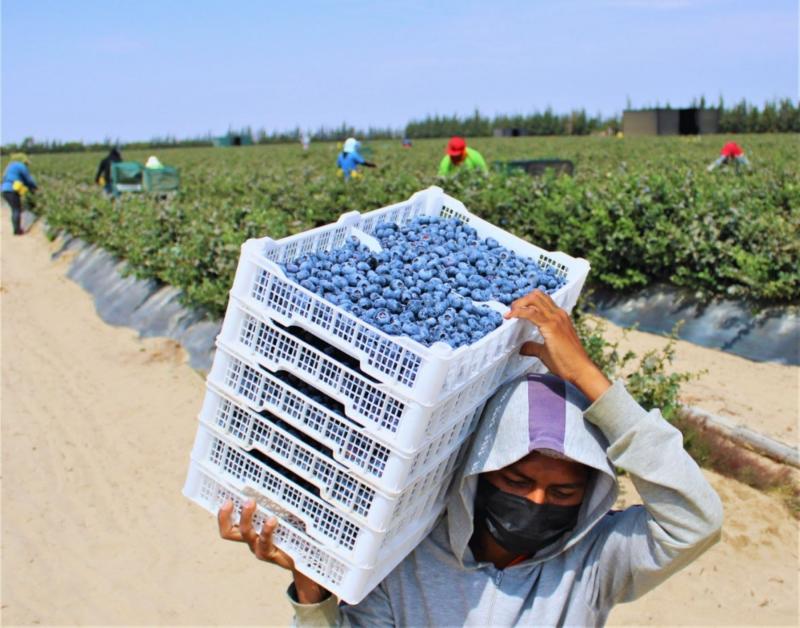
640,210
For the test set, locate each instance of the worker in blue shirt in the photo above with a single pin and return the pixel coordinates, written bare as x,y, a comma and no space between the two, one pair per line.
17,182
350,159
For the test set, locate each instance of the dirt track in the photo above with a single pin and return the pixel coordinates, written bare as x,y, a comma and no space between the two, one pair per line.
97,426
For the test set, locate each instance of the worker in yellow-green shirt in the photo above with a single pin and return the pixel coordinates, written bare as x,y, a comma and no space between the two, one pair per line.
459,156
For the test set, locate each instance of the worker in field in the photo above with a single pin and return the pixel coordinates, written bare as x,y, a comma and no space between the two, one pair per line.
459,156
529,536
103,176
731,153
17,183
350,159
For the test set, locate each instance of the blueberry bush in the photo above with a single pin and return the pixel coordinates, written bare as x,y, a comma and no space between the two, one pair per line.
641,210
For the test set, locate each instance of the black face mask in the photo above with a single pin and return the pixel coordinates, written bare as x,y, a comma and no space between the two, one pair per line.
518,524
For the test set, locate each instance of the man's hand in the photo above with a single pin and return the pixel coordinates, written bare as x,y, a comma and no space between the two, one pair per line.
308,591
562,352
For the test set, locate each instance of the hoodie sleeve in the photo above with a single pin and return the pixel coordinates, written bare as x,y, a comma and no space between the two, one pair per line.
373,610
26,177
639,548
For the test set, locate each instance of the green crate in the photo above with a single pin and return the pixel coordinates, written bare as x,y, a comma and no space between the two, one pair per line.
535,167
160,180
126,176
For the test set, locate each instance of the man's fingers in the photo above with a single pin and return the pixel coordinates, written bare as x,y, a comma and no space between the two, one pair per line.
268,528
532,348
264,546
265,536
528,312
543,301
227,530
536,300
524,301
246,521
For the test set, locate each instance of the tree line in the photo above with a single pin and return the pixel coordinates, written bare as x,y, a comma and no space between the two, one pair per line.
777,116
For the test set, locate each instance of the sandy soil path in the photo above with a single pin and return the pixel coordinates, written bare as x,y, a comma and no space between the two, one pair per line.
763,396
97,426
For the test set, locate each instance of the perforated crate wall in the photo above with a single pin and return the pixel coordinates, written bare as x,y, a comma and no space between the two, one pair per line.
401,422
344,489
347,535
349,582
235,372
379,466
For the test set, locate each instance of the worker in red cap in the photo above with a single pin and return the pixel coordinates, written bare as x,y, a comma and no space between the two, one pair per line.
458,156
731,153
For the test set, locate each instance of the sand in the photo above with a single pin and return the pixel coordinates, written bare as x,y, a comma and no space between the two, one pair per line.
761,395
97,426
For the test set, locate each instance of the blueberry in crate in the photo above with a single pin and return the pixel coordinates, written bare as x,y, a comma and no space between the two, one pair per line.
424,281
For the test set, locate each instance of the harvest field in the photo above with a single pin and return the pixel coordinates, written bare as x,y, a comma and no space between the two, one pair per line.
641,210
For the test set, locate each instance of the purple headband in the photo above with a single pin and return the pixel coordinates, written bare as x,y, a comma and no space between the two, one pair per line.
547,412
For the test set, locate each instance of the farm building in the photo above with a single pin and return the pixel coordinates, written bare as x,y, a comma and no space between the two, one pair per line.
233,139
691,121
507,132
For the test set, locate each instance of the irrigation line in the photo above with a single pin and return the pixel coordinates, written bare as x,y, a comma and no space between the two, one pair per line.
741,435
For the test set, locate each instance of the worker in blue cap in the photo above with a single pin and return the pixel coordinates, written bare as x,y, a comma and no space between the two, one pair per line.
350,159
17,183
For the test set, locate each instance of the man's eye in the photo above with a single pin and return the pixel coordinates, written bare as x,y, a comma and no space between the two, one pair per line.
559,494
517,483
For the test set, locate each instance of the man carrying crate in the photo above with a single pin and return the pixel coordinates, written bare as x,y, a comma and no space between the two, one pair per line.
529,537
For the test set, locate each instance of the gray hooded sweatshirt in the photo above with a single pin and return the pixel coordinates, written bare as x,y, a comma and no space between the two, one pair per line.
608,557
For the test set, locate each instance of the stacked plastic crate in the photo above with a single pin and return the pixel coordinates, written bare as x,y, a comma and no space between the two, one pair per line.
347,435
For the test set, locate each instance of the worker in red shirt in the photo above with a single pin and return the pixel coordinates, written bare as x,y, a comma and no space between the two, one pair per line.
731,153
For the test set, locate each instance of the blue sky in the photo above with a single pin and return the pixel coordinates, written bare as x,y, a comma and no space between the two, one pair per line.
90,69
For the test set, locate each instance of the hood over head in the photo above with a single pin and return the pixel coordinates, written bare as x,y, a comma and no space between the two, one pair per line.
533,413
351,145
20,157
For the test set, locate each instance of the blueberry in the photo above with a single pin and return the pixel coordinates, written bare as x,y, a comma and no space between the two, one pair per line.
455,302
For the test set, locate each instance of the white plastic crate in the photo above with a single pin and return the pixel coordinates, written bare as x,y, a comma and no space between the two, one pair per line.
344,489
425,374
231,370
378,465
348,582
400,422
351,536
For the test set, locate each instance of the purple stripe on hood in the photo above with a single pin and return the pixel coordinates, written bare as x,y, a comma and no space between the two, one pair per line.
547,412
